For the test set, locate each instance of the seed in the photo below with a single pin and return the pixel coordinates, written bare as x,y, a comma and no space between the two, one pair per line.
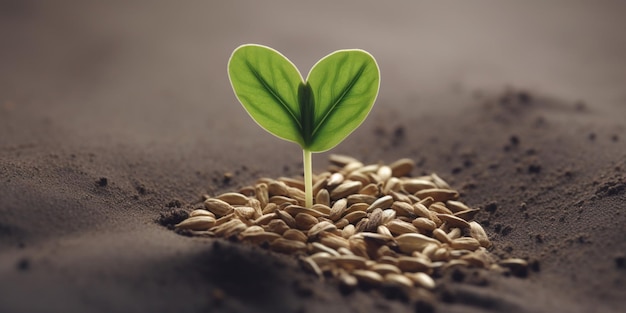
399,280
360,198
429,250
255,204
358,176
333,241
344,251
455,264
252,230
287,218
457,206
259,238
230,228
391,185
355,207
292,182
414,242
264,219
244,213
218,207
233,198
453,221
305,221
382,203
438,194
388,259
421,210
348,231
368,169
424,223
441,254
277,188
403,209
422,280
478,258
377,238
441,236
334,180
383,230
358,246
374,220
224,219
294,210
352,166
247,191
397,196
388,216
262,194
368,278
350,262
320,185
337,209
467,243
402,167
287,246
201,212
454,233
478,233
270,208
370,190
198,222
426,201
296,193
384,172
439,208
277,226
348,282
434,218
320,227
384,269
279,200
355,216
346,188
440,183
294,234
414,185
321,208
322,258
323,197
319,247
413,264
342,223
341,160
399,227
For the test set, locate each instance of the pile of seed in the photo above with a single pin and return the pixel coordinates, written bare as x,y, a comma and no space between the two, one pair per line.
370,225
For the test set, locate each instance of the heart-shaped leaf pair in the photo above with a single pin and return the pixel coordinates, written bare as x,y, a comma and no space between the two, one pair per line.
317,113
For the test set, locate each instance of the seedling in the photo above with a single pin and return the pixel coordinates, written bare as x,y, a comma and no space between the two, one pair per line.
316,113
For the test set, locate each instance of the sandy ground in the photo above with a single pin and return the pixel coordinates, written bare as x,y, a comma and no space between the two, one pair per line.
520,106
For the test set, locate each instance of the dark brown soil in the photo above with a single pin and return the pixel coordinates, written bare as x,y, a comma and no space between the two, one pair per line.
114,115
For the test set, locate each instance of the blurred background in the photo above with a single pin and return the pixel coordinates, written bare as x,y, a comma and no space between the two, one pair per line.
143,70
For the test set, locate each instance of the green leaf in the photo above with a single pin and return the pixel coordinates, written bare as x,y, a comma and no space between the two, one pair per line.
344,85
266,83
317,114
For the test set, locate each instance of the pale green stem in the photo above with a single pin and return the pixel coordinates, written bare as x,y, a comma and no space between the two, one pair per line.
308,178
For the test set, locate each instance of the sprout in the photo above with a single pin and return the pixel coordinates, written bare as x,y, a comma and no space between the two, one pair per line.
316,113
